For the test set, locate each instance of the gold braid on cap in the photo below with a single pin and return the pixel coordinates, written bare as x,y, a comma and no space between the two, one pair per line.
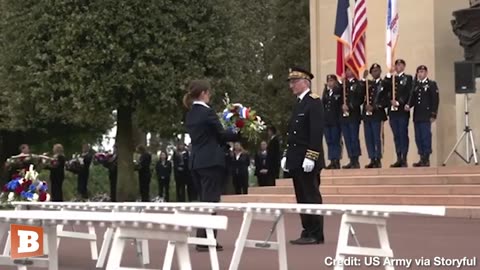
298,75
313,155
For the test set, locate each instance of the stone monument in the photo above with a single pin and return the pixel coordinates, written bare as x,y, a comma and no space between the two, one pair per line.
466,27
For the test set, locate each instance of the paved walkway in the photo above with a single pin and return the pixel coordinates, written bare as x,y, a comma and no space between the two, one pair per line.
411,237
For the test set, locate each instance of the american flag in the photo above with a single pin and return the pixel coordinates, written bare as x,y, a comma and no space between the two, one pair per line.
358,59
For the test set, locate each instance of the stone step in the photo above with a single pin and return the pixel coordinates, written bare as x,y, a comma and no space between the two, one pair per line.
404,171
450,200
439,179
377,190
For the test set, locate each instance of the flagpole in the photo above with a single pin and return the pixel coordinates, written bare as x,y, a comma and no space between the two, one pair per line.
346,113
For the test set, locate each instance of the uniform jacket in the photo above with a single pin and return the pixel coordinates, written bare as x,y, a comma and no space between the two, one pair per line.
403,89
332,105
163,170
273,157
424,100
355,90
378,98
208,137
305,133
145,161
240,165
180,162
260,162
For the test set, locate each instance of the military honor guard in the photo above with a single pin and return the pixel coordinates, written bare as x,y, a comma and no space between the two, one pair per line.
398,117
332,107
304,154
424,101
352,98
373,115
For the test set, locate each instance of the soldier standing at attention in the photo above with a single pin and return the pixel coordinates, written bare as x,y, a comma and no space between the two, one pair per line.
398,117
304,155
351,117
332,106
425,101
374,115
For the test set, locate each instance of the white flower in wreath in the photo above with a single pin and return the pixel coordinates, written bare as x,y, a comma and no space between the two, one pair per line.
11,196
35,197
48,198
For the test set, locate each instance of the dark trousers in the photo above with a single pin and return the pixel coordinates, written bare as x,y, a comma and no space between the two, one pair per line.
350,132
399,127
271,180
240,183
208,182
373,138
333,137
307,191
423,137
191,189
112,177
144,184
57,192
82,184
263,180
164,188
181,179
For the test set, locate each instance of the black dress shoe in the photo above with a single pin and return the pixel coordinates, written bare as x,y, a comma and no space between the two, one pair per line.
200,248
307,241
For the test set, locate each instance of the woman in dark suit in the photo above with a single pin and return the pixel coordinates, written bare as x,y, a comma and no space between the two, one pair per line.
57,173
240,163
261,166
207,161
164,170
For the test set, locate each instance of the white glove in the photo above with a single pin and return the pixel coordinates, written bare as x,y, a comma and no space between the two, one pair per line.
308,165
283,164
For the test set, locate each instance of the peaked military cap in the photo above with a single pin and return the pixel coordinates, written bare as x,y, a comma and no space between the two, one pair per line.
375,66
299,73
422,67
400,61
332,77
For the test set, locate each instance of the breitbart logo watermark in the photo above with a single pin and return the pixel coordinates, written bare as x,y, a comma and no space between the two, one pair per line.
26,241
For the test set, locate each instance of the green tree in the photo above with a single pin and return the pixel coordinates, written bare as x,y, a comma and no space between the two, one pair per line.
90,58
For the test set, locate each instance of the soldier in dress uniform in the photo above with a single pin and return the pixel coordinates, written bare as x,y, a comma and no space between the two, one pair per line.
332,106
304,154
374,115
351,116
424,100
398,117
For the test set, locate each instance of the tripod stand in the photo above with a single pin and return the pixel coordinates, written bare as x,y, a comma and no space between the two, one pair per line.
469,141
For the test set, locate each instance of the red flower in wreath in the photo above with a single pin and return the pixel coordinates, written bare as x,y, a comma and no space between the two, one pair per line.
5,188
18,190
239,123
26,184
42,197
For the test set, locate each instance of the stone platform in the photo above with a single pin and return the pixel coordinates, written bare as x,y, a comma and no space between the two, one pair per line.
458,188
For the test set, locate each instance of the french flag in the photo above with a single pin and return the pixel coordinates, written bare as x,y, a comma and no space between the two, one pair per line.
392,31
343,34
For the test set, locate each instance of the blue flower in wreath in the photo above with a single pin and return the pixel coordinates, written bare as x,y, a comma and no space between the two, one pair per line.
12,185
32,188
26,195
43,187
